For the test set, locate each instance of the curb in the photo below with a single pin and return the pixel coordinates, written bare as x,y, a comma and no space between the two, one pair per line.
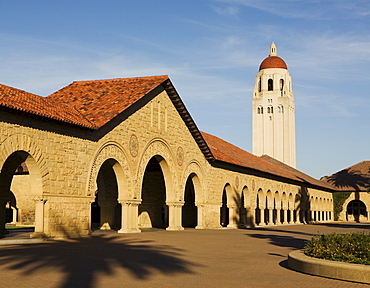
298,261
19,241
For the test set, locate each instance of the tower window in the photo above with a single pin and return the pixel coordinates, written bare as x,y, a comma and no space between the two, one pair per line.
270,85
270,109
259,85
260,110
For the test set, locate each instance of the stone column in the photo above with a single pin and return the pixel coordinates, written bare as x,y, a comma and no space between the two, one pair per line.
106,214
232,217
271,216
262,217
129,217
312,216
285,211
200,224
250,220
278,218
174,216
39,217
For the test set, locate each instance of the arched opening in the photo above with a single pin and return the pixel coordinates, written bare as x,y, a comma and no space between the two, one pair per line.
224,215
153,211
20,180
259,85
243,222
270,85
356,211
105,210
189,210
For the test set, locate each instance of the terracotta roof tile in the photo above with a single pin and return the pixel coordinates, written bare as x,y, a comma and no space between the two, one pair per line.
100,101
273,62
226,152
30,103
354,178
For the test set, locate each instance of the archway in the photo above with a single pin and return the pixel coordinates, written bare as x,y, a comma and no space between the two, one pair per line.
356,209
224,210
153,211
20,181
189,210
105,210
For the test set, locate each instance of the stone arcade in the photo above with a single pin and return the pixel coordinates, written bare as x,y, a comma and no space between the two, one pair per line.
125,154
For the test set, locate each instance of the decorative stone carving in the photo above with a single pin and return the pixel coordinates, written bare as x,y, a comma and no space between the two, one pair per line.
134,145
180,156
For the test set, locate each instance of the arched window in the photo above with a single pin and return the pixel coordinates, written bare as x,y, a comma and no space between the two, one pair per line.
270,85
261,110
258,110
281,84
268,109
282,87
259,85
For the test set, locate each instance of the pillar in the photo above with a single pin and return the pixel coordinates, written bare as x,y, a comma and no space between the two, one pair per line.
129,217
232,217
271,216
39,217
278,218
285,212
174,216
262,217
106,214
250,220
200,224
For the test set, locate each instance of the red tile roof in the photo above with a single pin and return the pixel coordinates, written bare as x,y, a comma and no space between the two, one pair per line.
99,101
354,178
226,152
30,103
273,62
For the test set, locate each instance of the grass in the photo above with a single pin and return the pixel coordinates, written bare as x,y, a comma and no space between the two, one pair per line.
350,247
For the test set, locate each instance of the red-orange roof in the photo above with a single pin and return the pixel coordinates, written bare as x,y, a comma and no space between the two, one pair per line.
354,178
273,62
226,152
30,103
100,101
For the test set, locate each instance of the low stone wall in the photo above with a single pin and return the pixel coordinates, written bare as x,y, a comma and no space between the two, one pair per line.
298,261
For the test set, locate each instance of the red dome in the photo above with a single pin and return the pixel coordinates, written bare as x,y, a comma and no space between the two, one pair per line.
273,62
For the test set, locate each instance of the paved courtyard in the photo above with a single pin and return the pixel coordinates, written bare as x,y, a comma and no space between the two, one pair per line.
156,258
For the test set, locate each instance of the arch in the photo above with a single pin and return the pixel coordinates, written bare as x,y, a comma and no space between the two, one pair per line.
106,211
111,150
159,149
21,142
224,210
356,211
194,169
189,209
270,85
30,188
153,209
260,199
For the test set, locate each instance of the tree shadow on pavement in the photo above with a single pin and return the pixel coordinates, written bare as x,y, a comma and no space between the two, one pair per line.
82,259
281,240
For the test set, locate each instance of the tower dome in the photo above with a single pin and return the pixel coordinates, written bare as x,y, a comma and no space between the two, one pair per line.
273,61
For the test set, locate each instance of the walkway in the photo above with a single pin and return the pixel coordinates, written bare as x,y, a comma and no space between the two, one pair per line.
190,258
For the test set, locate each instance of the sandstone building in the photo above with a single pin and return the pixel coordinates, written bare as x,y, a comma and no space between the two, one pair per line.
125,154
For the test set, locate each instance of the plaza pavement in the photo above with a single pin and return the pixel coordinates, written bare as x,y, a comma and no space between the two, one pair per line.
156,258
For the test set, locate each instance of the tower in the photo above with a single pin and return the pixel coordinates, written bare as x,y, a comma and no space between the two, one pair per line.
273,116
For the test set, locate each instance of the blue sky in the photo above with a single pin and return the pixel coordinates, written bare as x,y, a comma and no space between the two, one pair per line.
211,50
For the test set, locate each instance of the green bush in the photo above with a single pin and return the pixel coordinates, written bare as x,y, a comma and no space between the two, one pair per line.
350,247
338,199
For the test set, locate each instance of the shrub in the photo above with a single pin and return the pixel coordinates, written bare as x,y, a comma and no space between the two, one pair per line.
350,247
